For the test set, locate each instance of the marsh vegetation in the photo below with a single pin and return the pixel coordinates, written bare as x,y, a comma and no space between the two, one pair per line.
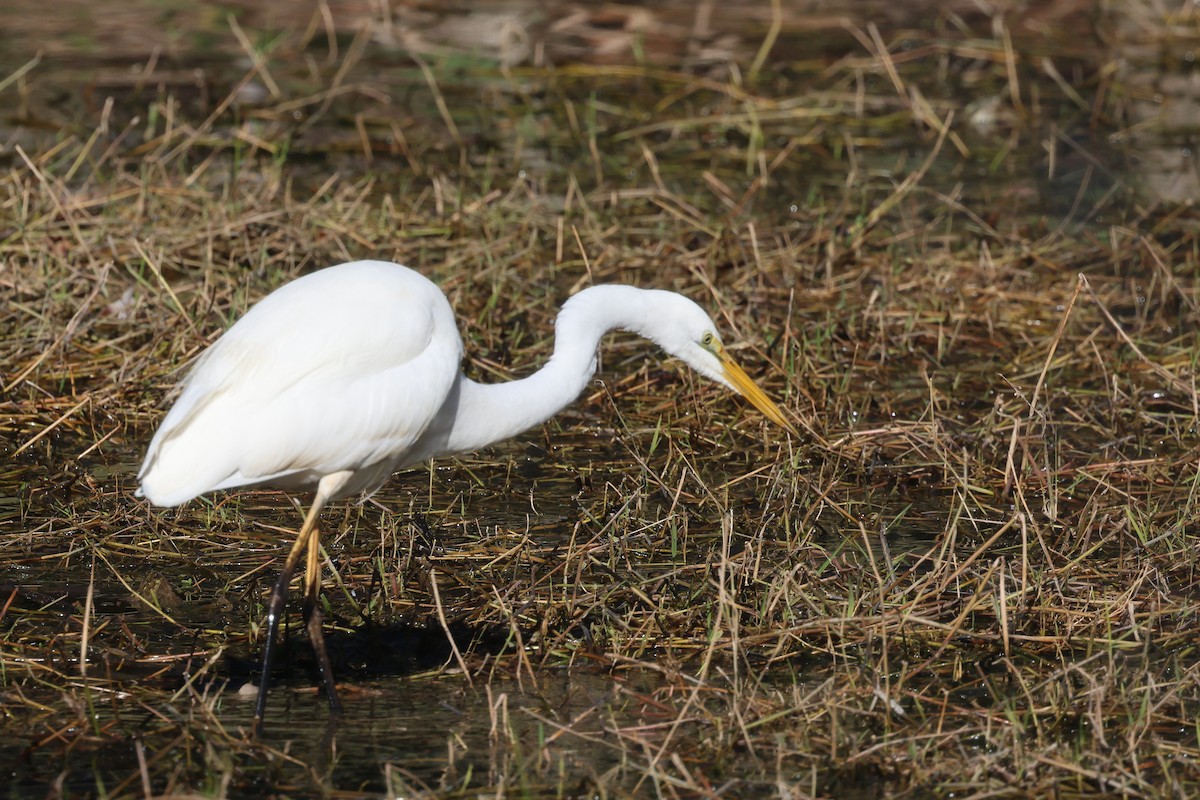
960,247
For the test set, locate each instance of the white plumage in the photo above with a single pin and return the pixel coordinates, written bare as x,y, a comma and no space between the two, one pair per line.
342,369
341,377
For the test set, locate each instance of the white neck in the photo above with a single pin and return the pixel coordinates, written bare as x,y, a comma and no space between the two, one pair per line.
478,414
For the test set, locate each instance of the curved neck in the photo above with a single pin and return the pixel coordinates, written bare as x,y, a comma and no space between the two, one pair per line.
480,414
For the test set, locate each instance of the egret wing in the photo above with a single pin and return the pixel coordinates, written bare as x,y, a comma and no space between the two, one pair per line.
331,372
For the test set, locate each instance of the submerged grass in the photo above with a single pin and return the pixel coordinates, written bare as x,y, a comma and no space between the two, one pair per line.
971,574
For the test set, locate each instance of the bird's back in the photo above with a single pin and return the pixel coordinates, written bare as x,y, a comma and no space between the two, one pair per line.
342,369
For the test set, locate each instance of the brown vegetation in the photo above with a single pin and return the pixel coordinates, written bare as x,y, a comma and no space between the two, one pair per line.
972,573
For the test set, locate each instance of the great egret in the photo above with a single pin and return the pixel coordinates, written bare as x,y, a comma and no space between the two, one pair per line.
339,378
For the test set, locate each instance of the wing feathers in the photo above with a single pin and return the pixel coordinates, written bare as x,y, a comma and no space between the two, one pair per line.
340,370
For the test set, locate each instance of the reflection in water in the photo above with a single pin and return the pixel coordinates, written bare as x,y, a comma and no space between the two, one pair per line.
440,734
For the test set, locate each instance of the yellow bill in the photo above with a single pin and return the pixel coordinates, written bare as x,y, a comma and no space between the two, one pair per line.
749,390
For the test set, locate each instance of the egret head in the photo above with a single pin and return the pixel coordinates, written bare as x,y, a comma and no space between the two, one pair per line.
685,331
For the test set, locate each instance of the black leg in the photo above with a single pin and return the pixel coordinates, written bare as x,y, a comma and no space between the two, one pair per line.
275,609
276,606
307,542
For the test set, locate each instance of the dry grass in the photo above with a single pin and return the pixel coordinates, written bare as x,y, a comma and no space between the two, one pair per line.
972,573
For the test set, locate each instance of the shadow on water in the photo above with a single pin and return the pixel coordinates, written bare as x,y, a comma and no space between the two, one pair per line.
361,653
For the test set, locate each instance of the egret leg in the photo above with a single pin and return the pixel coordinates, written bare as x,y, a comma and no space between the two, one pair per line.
305,542
275,608
313,616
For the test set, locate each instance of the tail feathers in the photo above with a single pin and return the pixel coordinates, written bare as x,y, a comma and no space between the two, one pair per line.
172,481
182,464
179,469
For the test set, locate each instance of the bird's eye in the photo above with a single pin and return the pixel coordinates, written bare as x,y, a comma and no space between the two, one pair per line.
707,340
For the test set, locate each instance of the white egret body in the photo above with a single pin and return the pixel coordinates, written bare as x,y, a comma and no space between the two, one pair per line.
341,377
